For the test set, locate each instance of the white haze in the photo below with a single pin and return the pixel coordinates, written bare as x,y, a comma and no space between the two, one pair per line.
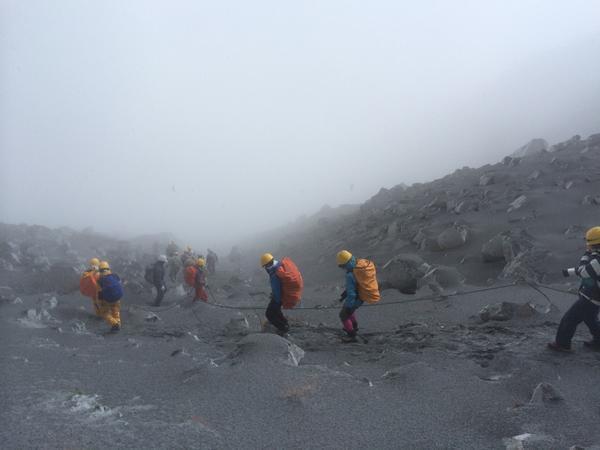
217,119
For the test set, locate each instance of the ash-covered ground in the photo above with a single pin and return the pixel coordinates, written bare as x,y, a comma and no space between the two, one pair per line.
428,374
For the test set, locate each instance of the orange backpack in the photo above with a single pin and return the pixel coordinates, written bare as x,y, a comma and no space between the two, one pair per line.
292,283
366,280
88,284
189,275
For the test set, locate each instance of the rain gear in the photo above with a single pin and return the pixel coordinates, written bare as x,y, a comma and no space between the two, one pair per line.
361,286
88,285
110,311
200,285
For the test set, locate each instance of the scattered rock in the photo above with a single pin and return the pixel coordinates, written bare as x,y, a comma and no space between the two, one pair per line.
151,317
7,294
237,327
486,179
591,200
517,203
47,302
545,393
506,311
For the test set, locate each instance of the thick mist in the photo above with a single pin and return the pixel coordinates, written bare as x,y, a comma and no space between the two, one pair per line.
214,121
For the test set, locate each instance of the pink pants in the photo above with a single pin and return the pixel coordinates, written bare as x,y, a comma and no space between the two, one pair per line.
349,323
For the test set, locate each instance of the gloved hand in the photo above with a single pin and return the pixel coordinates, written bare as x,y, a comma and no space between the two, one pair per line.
343,296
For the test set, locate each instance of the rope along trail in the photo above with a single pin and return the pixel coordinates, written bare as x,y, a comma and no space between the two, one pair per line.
536,287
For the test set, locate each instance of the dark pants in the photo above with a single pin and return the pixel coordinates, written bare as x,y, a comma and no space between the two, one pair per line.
276,317
582,311
160,293
349,320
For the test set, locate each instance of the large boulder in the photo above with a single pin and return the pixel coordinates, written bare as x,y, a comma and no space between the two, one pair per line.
526,265
452,238
533,147
506,245
265,348
61,278
402,272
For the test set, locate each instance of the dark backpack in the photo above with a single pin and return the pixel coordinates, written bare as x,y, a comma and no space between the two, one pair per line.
149,274
111,288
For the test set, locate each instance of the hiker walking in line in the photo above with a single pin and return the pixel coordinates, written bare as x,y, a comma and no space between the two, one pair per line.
158,279
286,289
88,285
111,293
586,308
361,286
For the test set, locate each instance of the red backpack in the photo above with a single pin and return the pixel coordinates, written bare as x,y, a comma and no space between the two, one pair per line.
189,275
292,283
88,283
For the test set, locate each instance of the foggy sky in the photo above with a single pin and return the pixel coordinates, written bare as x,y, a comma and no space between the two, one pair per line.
216,119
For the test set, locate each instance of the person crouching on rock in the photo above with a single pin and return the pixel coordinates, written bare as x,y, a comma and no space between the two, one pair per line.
159,279
586,308
286,289
111,293
361,286
88,285
200,281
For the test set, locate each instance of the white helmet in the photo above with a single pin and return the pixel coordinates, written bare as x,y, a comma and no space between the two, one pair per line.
162,258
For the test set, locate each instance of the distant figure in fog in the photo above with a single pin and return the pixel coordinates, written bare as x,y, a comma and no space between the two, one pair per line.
211,261
159,279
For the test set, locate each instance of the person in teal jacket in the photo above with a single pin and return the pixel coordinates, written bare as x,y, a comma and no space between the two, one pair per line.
347,262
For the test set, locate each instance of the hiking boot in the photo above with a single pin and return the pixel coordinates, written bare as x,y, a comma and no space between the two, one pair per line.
115,328
558,348
349,339
592,345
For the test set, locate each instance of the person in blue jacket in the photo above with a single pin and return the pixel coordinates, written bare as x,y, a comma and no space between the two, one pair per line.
273,313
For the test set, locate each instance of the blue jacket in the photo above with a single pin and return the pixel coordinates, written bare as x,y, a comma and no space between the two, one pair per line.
352,301
275,282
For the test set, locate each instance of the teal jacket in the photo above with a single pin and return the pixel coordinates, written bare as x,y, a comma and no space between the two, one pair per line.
352,301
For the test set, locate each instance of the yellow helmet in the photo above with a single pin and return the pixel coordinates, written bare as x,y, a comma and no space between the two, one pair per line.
592,237
201,262
343,257
94,262
104,265
265,259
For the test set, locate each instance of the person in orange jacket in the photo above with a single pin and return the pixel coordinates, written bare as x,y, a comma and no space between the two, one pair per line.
200,281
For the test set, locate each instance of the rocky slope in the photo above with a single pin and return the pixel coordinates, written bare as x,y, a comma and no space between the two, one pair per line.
523,217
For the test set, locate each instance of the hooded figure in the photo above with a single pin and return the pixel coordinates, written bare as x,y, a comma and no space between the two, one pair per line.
159,279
